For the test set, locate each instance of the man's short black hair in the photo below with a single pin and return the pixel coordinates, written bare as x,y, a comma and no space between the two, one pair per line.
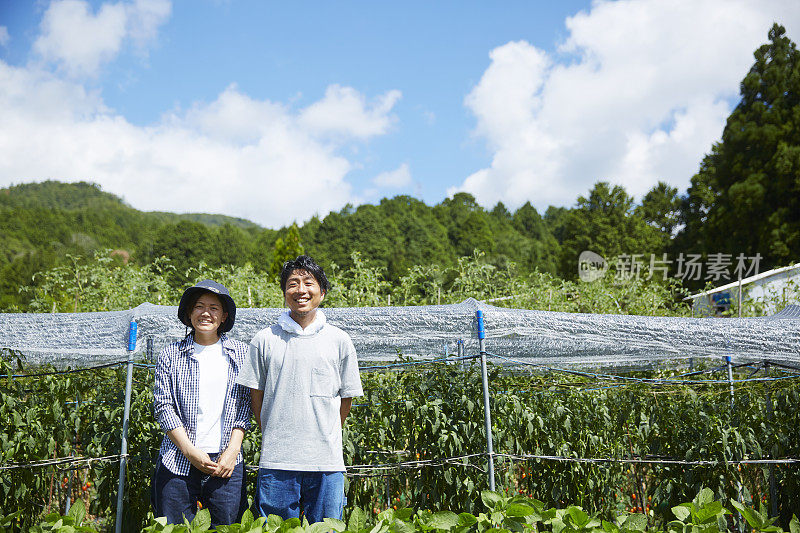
307,264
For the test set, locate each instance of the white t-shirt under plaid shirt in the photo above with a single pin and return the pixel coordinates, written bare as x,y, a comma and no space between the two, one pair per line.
175,397
212,382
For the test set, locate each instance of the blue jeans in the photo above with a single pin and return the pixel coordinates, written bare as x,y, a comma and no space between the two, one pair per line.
284,492
176,496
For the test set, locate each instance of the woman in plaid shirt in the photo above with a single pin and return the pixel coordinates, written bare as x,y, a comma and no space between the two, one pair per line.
202,411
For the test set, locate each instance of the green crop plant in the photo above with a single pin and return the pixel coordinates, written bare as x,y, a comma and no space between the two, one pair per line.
500,514
415,420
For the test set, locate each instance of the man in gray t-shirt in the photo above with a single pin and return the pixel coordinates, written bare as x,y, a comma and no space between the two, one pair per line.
302,373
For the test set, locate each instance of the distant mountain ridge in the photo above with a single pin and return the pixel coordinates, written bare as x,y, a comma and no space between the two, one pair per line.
43,223
85,195
50,223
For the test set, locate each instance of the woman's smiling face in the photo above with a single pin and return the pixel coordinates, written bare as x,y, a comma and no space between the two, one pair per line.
208,313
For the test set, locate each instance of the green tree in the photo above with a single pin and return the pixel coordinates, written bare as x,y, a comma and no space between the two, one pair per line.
542,248
262,248
286,248
746,196
510,246
555,219
660,208
605,223
467,224
421,238
232,246
186,244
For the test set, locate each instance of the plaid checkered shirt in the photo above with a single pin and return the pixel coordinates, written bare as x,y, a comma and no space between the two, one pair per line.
175,396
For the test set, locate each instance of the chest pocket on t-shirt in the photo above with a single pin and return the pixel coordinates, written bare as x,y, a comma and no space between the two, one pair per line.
322,382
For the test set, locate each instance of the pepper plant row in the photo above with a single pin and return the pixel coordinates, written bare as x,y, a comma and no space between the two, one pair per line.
408,421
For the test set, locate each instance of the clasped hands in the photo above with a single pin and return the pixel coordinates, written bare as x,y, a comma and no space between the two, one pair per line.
222,467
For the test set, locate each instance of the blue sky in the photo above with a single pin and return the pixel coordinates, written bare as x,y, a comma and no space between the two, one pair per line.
276,111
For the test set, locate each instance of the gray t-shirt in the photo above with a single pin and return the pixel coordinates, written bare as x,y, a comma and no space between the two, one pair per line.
303,378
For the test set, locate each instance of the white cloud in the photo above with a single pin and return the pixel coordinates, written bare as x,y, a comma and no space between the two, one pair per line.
79,41
4,36
235,155
638,92
144,19
397,178
344,111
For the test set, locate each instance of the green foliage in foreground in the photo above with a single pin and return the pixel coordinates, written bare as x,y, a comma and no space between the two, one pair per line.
430,415
502,515
104,283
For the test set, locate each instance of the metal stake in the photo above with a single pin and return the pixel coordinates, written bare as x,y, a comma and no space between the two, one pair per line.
737,518
487,416
730,378
773,497
123,461
68,502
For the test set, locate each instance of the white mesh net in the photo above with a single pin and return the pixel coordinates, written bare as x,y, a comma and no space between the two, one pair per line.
381,333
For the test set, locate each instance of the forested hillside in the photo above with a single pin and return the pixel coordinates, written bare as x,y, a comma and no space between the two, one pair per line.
743,200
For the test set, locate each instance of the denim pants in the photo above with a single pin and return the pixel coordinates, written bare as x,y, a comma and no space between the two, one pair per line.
176,496
285,492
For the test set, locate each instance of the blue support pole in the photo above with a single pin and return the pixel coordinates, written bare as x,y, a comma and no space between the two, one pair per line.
125,419
729,365
487,416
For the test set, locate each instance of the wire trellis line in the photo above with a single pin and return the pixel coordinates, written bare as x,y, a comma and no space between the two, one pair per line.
417,363
64,372
457,460
69,460
644,380
645,460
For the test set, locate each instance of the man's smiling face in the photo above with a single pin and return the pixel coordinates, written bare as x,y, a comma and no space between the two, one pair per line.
303,293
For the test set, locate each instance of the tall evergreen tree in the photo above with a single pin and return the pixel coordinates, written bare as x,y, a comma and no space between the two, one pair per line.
605,223
286,248
467,224
543,248
746,196
661,209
